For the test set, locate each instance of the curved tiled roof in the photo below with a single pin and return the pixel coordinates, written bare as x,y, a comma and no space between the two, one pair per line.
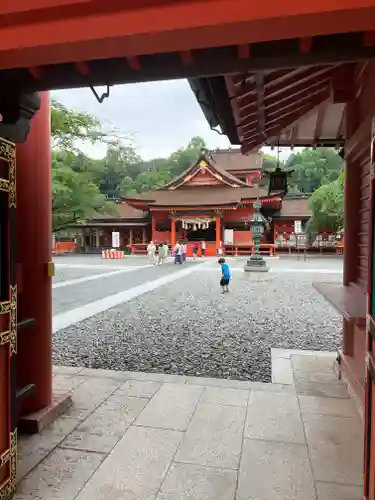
297,207
200,195
234,161
213,166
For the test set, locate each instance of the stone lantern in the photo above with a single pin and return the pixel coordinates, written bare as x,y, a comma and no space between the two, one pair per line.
256,262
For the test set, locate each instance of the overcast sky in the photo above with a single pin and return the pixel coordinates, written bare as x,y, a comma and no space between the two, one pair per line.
160,116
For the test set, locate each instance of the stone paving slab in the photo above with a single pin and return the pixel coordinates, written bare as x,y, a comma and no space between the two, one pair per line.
276,471
274,417
171,407
136,467
214,437
188,482
222,440
67,298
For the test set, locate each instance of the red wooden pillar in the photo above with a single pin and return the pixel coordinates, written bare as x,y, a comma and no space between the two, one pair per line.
34,252
153,227
218,232
352,193
173,232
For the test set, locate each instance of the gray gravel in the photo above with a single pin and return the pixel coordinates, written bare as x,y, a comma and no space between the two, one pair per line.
188,328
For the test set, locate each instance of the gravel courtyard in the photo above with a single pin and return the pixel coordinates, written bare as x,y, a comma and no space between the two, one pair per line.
186,326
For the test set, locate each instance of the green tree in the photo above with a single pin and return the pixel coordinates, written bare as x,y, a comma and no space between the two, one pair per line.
119,162
313,168
327,206
181,159
75,196
70,127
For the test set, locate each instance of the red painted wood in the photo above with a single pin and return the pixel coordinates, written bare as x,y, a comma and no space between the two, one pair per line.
96,29
218,232
34,229
173,233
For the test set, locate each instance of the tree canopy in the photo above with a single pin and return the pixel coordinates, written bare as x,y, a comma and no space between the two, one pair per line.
83,186
327,206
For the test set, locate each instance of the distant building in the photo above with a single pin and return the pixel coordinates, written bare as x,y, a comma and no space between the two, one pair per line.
214,194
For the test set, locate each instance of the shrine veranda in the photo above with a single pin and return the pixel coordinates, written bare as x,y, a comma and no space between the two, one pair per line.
127,315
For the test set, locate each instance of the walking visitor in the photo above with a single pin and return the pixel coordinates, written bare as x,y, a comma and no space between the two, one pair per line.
184,251
161,254
203,248
195,251
225,275
177,253
166,250
151,251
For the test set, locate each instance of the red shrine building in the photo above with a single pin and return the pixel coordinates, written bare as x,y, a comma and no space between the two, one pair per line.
264,73
211,201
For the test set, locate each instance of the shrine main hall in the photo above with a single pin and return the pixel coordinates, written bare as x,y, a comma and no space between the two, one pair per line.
211,200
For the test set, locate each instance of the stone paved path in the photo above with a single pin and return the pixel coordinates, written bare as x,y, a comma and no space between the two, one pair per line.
138,436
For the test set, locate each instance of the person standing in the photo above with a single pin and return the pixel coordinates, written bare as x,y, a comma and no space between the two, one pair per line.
176,253
151,251
184,251
203,248
195,251
166,250
161,254
225,275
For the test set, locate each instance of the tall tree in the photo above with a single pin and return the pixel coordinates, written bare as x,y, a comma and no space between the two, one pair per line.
75,195
69,128
327,206
313,168
119,162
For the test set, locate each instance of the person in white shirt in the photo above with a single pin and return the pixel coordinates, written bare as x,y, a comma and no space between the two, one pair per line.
177,253
203,248
151,250
184,251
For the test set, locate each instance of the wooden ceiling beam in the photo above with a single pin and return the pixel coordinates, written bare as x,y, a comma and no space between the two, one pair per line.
260,103
241,80
319,122
274,128
269,80
134,63
322,94
285,87
209,62
343,84
286,97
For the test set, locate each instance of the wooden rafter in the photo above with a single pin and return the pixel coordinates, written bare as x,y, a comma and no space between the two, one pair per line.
286,97
294,94
260,101
279,111
294,83
275,127
319,121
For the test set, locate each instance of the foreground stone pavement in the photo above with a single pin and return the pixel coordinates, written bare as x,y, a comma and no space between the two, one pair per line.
138,436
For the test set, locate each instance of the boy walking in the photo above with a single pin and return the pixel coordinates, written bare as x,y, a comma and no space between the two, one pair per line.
225,275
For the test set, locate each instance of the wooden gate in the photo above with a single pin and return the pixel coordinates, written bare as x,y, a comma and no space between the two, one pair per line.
8,320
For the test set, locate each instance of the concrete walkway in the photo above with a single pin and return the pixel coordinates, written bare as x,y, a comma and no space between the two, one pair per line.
137,436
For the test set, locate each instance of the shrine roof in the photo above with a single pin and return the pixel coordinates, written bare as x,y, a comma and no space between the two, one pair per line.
296,106
295,207
198,196
234,160
123,211
216,169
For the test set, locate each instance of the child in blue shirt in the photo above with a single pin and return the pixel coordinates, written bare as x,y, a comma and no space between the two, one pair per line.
225,275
